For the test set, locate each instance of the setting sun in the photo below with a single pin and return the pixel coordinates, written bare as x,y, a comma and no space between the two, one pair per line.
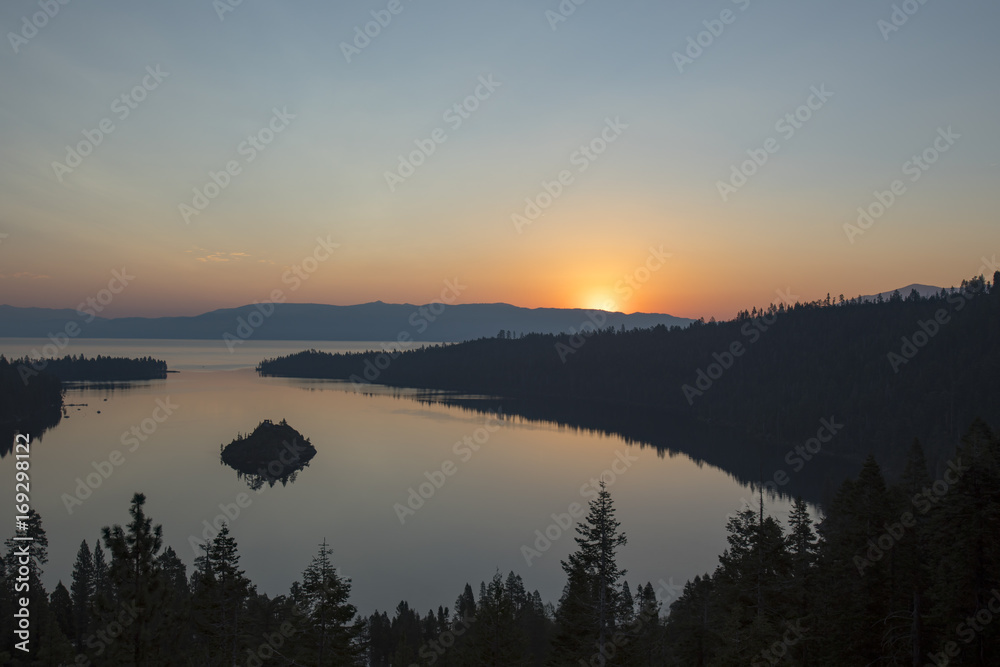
600,300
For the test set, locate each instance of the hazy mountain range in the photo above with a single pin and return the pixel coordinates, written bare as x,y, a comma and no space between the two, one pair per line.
375,321
923,290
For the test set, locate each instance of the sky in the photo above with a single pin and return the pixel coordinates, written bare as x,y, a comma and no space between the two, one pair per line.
216,153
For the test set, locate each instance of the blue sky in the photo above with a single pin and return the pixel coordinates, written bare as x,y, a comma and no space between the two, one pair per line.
657,184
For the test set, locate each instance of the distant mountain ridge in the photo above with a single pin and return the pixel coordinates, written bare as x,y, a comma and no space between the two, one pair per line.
376,321
923,290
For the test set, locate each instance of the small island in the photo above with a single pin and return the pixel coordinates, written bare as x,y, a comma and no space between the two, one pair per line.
271,453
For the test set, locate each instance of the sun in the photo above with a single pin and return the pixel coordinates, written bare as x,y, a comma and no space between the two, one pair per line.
600,300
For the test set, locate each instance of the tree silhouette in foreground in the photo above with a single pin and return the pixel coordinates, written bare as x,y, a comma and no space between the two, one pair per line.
591,609
332,633
894,574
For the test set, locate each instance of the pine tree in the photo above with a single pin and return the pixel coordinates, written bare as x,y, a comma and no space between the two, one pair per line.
626,633
576,620
102,584
61,607
465,604
221,591
647,649
750,585
496,637
82,594
175,601
595,577
407,637
136,587
464,617
911,564
334,634
854,582
691,628
803,551
966,530
380,640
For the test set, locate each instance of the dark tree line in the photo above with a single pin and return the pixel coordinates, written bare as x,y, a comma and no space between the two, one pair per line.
97,369
888,370
900,574
20,399
31,390
30,406
131,602
903,574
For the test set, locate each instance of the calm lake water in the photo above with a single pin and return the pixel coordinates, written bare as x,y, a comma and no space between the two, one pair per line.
373,448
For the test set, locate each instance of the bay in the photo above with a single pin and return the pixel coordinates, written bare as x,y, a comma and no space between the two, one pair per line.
504,505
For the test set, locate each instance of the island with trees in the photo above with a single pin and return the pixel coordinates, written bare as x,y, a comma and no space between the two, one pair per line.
270,453
893,574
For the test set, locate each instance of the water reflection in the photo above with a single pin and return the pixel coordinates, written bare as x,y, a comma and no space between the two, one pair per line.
34,426
42,417
749,461
752,462
372,450
271,453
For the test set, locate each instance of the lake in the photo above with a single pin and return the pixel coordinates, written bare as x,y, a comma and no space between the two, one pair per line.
482,483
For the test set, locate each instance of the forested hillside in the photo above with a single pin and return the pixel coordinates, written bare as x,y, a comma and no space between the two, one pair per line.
97,369
887,370
31,389
26,406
